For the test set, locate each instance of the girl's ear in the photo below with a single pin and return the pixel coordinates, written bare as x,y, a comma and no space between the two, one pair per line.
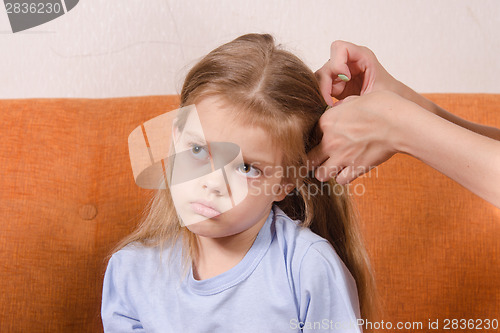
286,188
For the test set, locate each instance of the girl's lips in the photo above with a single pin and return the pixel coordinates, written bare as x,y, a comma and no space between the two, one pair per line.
204,210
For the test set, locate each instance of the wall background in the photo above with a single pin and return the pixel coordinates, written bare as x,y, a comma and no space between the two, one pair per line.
113,48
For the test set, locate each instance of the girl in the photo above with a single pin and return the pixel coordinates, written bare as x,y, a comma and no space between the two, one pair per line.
285,256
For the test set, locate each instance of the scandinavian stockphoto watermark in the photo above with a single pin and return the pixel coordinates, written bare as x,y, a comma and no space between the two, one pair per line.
26,14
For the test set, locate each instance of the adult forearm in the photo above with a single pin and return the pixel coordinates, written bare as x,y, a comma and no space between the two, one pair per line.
470,159
415,97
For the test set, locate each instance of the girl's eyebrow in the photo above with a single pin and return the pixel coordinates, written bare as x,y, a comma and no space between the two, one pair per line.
256,161
195,137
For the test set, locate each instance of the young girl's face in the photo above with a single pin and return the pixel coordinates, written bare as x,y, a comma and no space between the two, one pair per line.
228,175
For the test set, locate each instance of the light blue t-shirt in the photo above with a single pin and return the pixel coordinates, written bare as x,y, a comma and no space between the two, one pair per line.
290,280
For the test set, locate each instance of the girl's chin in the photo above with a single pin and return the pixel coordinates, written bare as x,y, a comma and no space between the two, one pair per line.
209,229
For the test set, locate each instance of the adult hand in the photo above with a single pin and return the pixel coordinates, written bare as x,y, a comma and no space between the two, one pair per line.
359,133
355,133
359,70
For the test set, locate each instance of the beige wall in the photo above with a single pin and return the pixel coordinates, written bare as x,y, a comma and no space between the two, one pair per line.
107,48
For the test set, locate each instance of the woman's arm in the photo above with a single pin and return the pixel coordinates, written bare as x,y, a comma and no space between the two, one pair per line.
469,158
362,132
408,93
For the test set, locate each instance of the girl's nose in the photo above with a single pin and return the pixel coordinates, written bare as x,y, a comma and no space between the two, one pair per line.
215,183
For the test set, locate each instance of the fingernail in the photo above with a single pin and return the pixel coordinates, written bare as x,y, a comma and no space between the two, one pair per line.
319,175
343,77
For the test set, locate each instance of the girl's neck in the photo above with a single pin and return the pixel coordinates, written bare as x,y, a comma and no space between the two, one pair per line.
218,255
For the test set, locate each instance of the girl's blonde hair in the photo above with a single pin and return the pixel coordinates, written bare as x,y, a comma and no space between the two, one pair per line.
271,88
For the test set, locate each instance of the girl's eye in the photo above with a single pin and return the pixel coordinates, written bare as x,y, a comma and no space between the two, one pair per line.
248,171
199,152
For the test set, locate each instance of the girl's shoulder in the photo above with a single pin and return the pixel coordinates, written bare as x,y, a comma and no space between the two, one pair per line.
138,259
135,253
312,261
294,234
302,246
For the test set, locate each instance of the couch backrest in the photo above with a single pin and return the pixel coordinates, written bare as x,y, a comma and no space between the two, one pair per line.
68,195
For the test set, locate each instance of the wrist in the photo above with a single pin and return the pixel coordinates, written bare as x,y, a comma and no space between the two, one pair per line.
404,124
411,95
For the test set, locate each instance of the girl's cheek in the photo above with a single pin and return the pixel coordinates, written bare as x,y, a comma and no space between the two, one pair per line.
264,187
257,187
253,183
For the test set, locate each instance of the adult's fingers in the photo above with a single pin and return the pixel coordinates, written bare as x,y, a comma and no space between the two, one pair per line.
343,53
321,152
350,173
330,83
344,73
329,169
317,156
324,76
360,61
340,56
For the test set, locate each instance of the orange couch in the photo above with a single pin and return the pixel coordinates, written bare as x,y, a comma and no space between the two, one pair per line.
68,195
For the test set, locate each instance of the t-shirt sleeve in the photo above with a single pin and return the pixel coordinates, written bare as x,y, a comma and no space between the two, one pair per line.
116,312
328,296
